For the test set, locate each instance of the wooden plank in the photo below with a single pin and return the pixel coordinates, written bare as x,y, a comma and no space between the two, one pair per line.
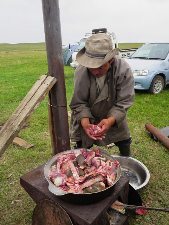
22,143
19,117
25,100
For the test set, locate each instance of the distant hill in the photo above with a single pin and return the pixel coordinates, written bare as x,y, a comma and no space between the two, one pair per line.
129,45
41,46
23,47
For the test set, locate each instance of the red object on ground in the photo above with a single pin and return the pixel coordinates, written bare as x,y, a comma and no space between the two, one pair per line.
141,211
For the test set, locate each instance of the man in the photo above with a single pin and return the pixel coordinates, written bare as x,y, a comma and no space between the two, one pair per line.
103,91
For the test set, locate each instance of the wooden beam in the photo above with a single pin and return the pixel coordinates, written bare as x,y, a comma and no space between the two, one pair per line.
23,103
22,143
15,123
58,116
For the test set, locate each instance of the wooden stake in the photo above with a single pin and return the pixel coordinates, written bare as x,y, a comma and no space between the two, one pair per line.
59,127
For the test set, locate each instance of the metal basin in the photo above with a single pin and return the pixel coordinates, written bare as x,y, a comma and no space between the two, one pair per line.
82,198
135,170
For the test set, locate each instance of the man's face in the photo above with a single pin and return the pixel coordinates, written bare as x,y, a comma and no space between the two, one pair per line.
101,71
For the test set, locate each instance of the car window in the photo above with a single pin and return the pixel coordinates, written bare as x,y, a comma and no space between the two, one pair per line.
152,51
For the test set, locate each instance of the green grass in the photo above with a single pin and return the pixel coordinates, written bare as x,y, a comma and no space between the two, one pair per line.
20,67
22,47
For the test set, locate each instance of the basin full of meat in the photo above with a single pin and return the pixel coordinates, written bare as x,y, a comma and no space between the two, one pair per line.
81,171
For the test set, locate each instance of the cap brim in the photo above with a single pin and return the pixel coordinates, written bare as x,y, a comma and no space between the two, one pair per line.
93,62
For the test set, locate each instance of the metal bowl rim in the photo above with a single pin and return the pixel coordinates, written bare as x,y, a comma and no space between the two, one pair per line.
142,165
52,160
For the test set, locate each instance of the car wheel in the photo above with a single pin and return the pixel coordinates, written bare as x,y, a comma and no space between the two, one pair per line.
157,85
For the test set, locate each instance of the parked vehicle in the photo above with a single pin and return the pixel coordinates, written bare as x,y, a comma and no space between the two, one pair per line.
150,66
81,43
126,53
79,46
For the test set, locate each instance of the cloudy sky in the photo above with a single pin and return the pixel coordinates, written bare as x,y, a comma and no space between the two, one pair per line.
131,20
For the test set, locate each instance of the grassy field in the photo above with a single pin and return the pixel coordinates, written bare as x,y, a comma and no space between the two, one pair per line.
20,66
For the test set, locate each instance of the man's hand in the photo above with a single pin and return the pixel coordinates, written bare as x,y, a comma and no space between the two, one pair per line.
91,130
105,125
87,126
97,132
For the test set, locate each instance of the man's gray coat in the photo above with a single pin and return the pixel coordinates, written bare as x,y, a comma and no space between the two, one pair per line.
115,98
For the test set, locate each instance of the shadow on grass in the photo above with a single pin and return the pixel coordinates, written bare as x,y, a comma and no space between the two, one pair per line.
166,88
141,92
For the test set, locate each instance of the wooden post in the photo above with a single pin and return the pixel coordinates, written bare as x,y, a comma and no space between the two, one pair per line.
58,115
